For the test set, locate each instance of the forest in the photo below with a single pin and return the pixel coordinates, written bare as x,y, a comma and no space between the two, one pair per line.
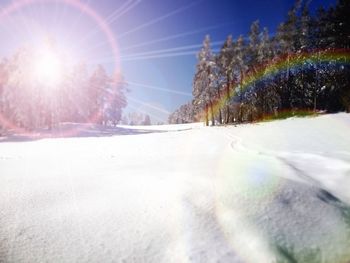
302,68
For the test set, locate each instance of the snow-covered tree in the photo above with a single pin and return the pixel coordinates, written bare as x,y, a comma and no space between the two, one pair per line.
227,81
184,114
203,87
135,118
115,101
315,84
147,120
240,70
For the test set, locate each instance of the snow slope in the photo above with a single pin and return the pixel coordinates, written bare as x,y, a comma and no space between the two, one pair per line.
267,192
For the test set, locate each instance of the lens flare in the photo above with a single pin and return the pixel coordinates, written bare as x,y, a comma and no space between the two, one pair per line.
48,67
243,182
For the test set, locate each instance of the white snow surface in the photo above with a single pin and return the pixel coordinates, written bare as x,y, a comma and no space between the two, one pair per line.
265,192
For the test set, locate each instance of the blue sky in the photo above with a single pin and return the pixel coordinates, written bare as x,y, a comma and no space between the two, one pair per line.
150,21
176,72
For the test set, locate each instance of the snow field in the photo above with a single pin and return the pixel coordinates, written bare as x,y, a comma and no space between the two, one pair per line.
267,192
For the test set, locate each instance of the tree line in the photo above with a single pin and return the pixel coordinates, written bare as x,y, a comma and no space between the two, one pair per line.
136,118
235,84
83,95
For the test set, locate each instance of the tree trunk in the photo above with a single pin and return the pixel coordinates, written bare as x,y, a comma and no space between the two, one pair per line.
228,95
240,113
220,115
206,115
240,98
227,114
264,106
317,81
212,114
315,103
250,115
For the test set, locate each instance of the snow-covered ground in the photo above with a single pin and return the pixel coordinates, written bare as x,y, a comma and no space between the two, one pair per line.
266,192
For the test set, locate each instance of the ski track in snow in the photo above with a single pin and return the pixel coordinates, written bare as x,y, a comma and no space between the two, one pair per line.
324,189
181,193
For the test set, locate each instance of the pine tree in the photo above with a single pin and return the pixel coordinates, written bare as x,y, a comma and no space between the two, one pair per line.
253,59
115,101
240,72
268,99
285,38
225,67
184,114
202,84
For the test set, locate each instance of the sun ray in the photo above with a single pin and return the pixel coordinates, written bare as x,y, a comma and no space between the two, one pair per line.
159,52
169,50
95,29
76,21
158,19
144,112
103,43
152,22
168,55
170,37
118,10
148,105
165,55
109,20
121,12
135,84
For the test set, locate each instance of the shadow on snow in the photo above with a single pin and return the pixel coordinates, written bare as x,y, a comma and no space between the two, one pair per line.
72,130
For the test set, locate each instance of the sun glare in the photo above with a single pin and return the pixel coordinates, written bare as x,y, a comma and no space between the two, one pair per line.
48,68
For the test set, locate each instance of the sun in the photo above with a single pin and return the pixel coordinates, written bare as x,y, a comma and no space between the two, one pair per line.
48,67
